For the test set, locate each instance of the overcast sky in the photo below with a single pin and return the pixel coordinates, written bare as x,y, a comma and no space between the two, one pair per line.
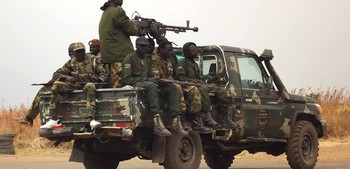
309,38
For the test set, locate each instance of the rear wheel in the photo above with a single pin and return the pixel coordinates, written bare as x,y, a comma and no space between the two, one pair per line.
216,160
183,152
302,146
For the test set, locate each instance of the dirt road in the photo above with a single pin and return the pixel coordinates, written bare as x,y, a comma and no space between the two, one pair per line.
332,155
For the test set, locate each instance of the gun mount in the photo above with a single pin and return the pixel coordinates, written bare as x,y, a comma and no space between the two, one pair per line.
157,30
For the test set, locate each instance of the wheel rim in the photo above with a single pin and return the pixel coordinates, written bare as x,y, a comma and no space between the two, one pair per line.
186,149
306,147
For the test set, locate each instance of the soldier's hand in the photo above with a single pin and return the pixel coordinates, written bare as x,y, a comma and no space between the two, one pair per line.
94,77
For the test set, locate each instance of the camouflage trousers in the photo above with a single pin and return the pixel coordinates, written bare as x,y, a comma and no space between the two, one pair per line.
33,111
59,88
115,72
193,98
182,98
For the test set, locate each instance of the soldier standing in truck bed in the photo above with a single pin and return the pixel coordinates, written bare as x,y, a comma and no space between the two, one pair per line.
77,73
115,29
137,72
188,70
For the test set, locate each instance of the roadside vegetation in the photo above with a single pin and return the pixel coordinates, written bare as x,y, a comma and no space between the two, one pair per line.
334,102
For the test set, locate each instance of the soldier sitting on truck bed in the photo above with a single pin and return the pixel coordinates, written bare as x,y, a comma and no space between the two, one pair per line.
162,68
137,72
77,73
188,70
33,111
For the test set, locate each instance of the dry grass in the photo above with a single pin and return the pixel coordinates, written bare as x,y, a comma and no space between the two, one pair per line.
335,104
27,140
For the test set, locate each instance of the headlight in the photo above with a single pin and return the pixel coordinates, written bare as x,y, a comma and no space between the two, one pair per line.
319,108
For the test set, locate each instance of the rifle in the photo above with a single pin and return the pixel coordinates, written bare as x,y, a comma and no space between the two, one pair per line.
157,30
184,83
41,84
79,83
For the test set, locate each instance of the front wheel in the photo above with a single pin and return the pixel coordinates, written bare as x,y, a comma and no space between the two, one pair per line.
302,146
183,152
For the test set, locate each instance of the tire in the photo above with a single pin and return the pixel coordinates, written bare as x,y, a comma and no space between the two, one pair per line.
95,162
183,152
302,146
216,160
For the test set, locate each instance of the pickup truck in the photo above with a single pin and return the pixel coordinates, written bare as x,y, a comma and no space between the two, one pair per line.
270,120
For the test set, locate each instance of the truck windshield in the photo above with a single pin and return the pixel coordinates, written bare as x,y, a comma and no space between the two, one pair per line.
251,75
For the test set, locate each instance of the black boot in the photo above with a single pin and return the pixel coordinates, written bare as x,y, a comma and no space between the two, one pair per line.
197,125
177,127
226,120
159,128
210,122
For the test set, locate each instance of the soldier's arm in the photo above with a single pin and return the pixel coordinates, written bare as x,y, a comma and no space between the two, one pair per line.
101,71
121,20
128,77
181,75
63,72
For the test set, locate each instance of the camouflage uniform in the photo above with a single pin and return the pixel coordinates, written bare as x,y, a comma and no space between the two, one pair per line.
135,73
191,70
82,72
163,69
115,29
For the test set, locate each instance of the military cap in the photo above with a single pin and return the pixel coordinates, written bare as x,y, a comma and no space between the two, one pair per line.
142,41
78,46
95,42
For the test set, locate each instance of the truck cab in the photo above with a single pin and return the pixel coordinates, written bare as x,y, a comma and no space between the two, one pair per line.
270,118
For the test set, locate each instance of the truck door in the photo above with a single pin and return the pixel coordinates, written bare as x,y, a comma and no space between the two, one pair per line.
261,108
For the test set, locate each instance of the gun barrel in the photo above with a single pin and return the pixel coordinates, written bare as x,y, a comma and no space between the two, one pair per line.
179,28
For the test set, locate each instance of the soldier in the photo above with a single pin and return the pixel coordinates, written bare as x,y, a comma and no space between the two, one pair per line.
95,47
137,72
162,68
33,111
115,29
188,70
73,75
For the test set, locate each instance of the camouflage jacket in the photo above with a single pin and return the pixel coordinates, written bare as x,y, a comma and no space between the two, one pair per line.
82,71
136,69
189,68
115,29
161,68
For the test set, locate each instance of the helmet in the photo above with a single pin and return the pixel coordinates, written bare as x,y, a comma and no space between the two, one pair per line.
78,46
